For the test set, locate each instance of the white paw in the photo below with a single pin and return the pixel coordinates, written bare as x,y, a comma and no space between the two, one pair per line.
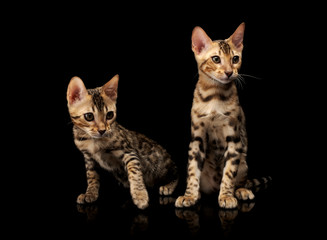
141,199
244,194
226,201
185,201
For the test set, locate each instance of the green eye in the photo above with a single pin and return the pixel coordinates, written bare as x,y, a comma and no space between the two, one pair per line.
110,115
216,59
235,59
89,116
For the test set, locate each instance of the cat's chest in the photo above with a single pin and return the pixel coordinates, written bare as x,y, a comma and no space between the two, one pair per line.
212,109
108,160
220,119
91,146
105,153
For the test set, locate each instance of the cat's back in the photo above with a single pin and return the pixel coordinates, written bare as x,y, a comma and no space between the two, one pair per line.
155,160
144,145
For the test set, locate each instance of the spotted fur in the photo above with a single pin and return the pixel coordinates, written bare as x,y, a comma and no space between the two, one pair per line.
135,160
217,151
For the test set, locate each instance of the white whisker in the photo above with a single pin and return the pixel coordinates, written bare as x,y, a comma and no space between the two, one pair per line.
239,81
247,75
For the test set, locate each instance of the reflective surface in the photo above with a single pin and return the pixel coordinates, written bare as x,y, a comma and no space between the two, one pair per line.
114,214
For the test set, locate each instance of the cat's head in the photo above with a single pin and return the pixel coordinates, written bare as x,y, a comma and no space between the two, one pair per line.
218,60
93,110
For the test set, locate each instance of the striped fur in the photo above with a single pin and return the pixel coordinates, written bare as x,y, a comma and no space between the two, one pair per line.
135,160
217,152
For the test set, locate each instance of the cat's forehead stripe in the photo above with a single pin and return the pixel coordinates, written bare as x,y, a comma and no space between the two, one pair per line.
97,98
224,47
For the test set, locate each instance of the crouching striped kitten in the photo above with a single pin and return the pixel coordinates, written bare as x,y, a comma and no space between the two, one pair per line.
135,160
217,152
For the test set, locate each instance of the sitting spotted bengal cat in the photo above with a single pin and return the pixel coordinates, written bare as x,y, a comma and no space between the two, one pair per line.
217,152
135,160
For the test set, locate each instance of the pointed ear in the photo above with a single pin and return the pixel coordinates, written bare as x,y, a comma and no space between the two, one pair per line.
200,40
76,90
237,37
110,88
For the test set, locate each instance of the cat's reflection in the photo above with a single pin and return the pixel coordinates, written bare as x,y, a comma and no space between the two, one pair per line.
204,213
90,210
140,218
194,217
166,200
191,217
227,217
140,224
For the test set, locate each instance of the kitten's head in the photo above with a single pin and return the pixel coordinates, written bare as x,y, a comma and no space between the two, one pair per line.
218,60
92,110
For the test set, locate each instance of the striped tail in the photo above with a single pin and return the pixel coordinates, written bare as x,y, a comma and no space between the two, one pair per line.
258,182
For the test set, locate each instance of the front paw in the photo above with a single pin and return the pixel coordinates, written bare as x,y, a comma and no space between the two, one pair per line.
87,198
226,201
185,201
141,199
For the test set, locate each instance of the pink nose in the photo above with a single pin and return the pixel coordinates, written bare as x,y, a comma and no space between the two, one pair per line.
228,73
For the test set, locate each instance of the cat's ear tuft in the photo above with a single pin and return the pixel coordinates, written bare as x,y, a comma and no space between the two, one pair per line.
237,36
76,90
110,88
200,40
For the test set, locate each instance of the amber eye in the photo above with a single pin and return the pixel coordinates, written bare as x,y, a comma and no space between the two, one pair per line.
89,116
216,59
235,59
110,115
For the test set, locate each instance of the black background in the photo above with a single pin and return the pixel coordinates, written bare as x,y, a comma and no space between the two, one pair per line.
152,54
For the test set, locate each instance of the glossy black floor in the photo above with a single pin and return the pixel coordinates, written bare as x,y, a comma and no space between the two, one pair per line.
114,214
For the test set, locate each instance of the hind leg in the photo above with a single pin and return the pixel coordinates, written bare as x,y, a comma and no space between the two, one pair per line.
243,193
169,188
171,176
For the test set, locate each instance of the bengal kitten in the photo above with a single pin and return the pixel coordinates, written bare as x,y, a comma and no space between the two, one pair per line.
217,151
135,160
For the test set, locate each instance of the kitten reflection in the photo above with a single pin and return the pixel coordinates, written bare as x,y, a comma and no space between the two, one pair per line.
228,216
166,200
140,224
205,213
246,206
191,217
91,211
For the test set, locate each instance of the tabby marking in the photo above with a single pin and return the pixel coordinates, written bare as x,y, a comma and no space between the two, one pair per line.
217,151
135,160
